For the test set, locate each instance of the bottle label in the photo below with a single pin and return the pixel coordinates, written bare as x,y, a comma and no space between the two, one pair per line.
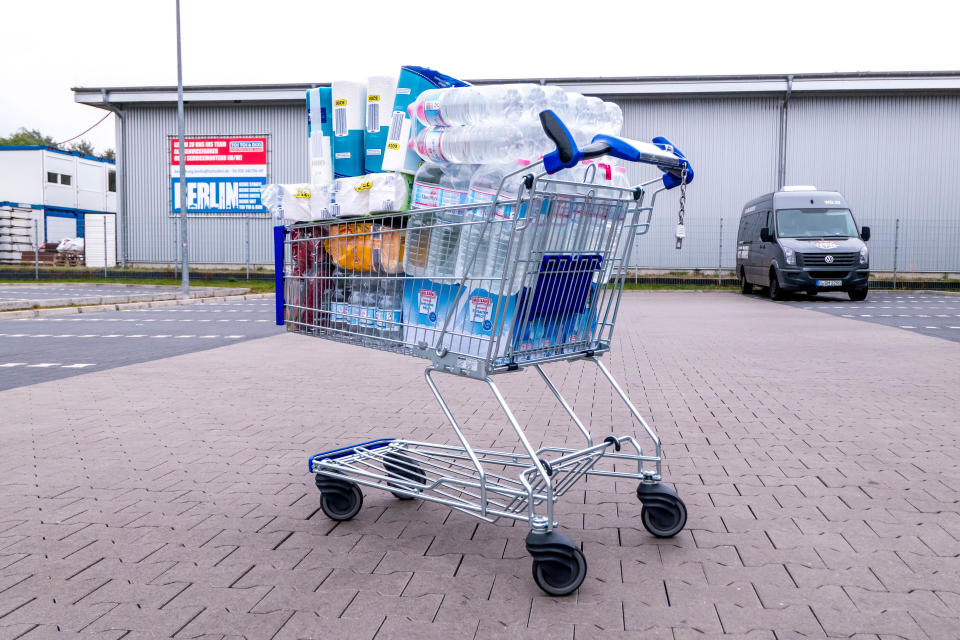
353,313
425,196
429,145
478,195
388,319
452,197
431,113
367,316
340,311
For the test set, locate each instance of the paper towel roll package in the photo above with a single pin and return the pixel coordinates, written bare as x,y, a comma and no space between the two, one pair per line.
389,192
380,93
297,202
411,82
319,134
351,196
349,109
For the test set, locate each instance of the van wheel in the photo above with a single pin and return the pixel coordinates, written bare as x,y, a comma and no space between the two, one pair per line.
745,287
858,295
775,292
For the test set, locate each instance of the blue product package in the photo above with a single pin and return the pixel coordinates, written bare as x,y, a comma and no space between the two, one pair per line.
425,307
319,134
349,107
411,83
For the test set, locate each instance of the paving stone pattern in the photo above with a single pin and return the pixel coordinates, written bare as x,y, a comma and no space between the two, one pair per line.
817,457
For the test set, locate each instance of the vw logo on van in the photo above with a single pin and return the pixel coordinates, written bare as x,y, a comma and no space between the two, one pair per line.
828,259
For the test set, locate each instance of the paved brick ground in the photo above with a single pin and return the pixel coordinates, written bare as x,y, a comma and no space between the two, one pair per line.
817,456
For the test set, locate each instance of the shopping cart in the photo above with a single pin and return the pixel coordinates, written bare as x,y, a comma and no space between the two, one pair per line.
531,278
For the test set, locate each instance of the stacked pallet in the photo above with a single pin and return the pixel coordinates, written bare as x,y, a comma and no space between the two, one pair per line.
16,233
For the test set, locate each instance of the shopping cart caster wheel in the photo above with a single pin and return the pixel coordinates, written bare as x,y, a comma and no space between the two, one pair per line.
400,466
339,500
559,566
561,577
663,513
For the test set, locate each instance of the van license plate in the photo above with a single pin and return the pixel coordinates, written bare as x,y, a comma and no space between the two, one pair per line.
829,283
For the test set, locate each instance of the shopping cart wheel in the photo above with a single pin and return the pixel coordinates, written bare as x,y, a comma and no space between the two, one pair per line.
559,566
663,513
561,577
339,499
400,466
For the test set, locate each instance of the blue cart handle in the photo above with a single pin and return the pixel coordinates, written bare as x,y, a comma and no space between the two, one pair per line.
660,153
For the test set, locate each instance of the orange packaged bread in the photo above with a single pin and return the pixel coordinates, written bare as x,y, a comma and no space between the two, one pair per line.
366,246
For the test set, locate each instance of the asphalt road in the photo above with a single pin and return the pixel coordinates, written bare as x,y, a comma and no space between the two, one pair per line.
36,350
927,313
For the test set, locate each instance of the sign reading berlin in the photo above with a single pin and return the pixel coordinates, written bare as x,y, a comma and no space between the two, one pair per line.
224,175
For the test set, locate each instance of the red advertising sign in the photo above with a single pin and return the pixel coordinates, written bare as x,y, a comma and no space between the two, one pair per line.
220,151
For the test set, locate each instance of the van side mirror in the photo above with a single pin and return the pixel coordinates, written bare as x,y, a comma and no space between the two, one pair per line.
765,235
864,233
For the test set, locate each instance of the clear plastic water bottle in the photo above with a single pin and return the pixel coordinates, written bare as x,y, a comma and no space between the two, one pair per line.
472,144
476,236
426,194
390,309
483,188
445,237
476,105
612,121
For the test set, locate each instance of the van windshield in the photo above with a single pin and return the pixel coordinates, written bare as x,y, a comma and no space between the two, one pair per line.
815,223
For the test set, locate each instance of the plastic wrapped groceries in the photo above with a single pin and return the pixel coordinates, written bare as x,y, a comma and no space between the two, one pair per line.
513,103
389,192
297,202
371,193
366,246
473,144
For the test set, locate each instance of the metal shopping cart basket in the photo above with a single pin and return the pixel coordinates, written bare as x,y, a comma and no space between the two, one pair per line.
530,278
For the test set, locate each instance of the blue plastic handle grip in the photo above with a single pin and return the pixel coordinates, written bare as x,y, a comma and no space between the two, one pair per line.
279,233
673,178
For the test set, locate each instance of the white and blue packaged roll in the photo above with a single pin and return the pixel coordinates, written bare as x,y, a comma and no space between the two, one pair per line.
319,134
380,94
349,110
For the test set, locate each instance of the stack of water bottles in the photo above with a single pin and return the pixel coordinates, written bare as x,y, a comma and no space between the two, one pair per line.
472,138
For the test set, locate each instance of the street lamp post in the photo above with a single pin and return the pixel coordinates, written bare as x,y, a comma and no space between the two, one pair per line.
185,261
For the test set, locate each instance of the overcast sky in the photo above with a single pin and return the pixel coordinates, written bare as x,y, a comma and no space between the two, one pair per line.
50,46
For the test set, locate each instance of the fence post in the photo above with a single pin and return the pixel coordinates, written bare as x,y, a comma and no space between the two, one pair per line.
104,246
896,244
247,254
36,250
720,254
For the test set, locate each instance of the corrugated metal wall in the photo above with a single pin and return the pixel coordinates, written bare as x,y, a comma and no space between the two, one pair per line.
892,157
151,233
732,144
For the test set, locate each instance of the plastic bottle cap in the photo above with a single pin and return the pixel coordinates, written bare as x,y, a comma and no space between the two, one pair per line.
523,161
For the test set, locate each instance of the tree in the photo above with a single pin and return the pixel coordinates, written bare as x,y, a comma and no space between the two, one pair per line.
110,155
24,137
82,146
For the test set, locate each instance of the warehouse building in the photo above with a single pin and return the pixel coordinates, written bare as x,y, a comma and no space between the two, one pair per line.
890,142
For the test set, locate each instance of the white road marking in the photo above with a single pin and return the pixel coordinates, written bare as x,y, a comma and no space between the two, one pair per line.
137,335
112,335
232,337
44,365
906,326
12,364
79,365
212,336
162,335
187,336
64,335
865,315
930,327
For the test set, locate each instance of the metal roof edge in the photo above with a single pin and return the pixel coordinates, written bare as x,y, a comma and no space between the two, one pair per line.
37,147
840,82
